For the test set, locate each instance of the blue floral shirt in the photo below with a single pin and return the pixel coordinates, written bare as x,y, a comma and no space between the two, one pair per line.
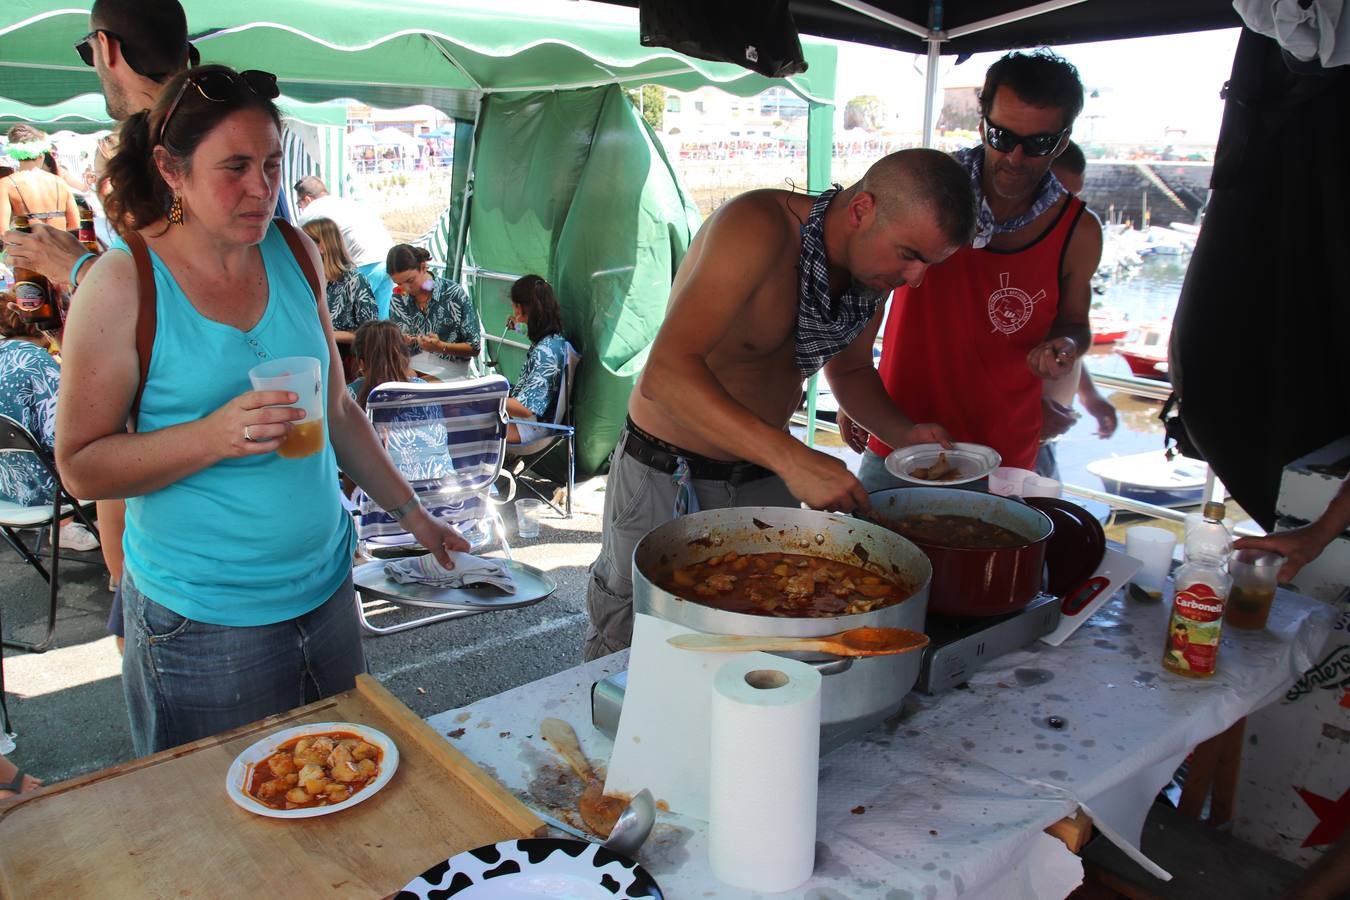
29,380
351,302
418,442
450,315
542,376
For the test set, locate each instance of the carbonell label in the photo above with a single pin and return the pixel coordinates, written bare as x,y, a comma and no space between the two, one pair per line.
28,295
1199,604
1193,632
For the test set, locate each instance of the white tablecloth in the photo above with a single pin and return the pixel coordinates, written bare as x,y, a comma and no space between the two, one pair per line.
950,799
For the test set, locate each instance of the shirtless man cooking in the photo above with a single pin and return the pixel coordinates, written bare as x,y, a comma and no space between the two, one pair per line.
776,286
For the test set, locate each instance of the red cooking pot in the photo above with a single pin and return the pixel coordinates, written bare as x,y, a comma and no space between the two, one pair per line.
984,581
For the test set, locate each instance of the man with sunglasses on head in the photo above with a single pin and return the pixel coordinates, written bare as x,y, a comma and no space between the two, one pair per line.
136,47
973,345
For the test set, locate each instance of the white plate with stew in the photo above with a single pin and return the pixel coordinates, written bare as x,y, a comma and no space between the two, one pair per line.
962,464
242,769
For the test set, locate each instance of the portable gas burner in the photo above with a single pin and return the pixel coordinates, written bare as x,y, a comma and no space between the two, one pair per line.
957,648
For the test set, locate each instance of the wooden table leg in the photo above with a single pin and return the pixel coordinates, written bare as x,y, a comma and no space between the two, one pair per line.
1214,768
1073,830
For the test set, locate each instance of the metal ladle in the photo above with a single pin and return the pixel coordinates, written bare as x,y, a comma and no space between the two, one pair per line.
630,830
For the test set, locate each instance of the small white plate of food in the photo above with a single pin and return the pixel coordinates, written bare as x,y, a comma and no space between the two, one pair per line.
311,770
934,465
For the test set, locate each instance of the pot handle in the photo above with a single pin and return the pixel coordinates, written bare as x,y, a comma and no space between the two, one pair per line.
833,666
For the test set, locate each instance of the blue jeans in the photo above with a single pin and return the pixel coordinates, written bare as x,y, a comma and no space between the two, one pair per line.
186,680
380,283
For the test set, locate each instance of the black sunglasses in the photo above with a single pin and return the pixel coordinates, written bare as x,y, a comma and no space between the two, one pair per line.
1005,141
220,86
85,47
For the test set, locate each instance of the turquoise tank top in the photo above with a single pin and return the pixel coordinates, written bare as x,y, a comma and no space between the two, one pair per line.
249,541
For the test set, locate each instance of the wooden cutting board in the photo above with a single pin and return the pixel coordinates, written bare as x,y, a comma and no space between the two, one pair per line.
163,826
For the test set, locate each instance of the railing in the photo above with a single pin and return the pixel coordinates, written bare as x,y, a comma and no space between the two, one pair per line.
1139,387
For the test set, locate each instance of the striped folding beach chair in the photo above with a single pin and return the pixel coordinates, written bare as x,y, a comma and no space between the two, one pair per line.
448,439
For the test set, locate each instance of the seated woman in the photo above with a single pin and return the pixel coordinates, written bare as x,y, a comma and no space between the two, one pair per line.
238,598
535,393
29,381
435,313
351,302
382,357
33,191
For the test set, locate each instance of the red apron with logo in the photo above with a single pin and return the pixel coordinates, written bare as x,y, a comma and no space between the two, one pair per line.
955,348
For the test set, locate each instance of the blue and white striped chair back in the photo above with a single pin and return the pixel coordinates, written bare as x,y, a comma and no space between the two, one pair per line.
448,439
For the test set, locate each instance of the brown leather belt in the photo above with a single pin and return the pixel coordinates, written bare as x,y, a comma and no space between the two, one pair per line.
664,457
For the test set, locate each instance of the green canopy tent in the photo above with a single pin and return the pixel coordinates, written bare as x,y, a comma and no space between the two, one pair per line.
86,114
609,227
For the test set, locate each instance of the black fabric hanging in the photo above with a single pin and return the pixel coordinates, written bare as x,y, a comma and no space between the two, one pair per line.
1260,352
757,34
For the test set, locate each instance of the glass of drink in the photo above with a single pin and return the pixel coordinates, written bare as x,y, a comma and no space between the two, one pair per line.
1254,579
527,517
301,376
1153,547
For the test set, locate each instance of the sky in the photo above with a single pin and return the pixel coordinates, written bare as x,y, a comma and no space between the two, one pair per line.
1145,86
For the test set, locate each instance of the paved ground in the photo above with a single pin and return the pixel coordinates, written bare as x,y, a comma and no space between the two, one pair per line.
66,705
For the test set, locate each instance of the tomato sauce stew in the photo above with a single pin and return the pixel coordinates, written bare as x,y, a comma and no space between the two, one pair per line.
961,532
787,585
314,770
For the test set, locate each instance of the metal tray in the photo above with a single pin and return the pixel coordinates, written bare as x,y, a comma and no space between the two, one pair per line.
532,585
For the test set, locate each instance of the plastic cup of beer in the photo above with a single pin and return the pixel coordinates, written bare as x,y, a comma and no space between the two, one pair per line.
301,376
1153,547
1254,581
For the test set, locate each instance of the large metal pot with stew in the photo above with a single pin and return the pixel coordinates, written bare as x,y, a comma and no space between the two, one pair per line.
989,553
671,581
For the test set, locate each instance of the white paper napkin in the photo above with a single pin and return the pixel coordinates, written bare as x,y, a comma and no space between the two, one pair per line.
468,570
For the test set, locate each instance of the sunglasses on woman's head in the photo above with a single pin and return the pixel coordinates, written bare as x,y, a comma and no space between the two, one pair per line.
222,86
1006,141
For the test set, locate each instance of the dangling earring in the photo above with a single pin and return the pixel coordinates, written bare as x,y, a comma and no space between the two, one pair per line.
176,211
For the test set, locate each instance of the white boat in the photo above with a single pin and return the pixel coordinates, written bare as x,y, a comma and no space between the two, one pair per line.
1152,478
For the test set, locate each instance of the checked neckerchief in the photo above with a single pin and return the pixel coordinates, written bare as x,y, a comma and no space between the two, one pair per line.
1047,192
825,326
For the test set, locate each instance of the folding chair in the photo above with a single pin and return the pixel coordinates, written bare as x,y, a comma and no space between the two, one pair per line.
14,438
562,430
448,439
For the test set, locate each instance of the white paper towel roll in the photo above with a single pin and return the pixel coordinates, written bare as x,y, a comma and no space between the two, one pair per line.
765,762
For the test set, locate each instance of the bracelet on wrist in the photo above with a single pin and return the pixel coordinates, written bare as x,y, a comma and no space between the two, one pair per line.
79,264
403,510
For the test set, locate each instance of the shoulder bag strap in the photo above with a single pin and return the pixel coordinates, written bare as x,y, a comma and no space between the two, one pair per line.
302,257
146,315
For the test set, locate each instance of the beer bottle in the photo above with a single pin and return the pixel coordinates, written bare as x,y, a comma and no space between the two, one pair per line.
87,236
34,295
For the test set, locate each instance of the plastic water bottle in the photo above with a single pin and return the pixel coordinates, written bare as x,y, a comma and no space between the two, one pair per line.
1202,586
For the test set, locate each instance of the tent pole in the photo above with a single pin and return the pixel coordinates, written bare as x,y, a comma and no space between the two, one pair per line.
819,158
930,108
462,233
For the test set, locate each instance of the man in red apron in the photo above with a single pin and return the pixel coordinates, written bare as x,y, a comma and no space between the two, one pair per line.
973,344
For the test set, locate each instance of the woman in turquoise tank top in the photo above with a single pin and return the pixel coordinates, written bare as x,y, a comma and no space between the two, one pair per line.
237,584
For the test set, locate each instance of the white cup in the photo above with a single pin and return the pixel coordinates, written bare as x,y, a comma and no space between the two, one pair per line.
1153,547
1007,481
301,376
1039,486
527,517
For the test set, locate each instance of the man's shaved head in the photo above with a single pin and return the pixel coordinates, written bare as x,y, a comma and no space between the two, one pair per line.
928,180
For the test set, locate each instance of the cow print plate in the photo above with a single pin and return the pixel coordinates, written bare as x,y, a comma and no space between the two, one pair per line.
534,867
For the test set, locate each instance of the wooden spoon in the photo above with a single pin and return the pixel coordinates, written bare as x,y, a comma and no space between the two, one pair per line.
853,642
597,811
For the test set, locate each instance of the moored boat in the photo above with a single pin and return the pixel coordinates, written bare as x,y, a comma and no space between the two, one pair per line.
1152,478
1145,350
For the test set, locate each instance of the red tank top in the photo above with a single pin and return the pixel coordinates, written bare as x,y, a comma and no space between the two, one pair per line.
955,348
